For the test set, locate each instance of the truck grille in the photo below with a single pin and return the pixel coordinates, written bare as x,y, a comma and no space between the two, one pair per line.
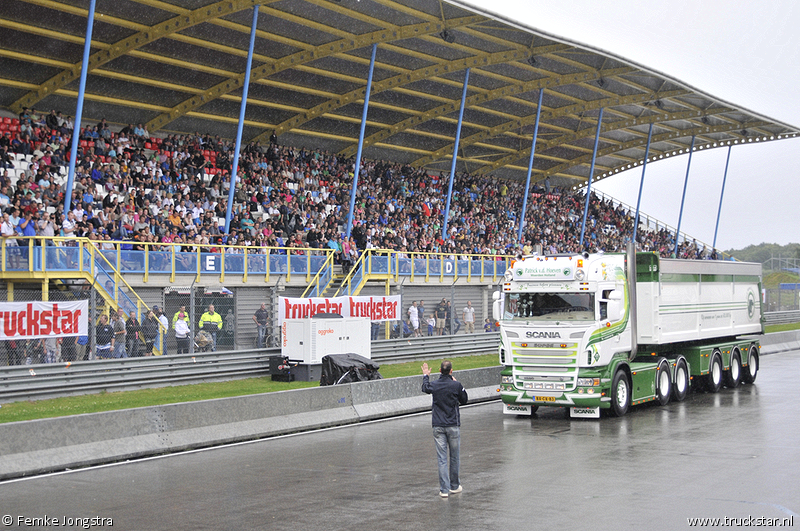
547,369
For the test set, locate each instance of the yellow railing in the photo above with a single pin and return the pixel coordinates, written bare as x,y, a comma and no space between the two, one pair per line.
316,281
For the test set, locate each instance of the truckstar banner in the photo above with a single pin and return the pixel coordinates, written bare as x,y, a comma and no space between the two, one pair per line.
373,308
35,320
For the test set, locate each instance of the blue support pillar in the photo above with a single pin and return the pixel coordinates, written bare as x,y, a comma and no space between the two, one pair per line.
683,198
87,46
591,174
641,183
530,168
237,149
721,195
351,212
455,155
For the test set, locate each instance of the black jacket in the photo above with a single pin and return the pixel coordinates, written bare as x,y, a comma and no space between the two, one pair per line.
448,394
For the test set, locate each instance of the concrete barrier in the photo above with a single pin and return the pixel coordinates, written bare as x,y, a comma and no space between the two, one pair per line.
39,446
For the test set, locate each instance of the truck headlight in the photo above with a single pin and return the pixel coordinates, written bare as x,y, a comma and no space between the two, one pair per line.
580,274
588,382
507,379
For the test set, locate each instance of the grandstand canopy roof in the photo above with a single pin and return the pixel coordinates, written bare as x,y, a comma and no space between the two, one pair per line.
178,66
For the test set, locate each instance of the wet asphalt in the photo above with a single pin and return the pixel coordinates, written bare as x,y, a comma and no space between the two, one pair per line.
734,454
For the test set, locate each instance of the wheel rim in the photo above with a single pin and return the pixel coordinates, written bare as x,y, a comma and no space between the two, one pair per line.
680,379
735,368
752,366
716,374
663,383
622,393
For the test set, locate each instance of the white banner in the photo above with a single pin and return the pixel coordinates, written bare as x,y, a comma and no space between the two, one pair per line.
374,308
35,320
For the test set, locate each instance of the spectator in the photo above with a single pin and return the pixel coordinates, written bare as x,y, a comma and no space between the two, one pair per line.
104,338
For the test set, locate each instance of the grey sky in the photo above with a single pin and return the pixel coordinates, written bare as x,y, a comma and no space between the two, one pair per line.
745,53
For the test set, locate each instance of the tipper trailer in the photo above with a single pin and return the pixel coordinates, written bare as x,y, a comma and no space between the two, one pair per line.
594,332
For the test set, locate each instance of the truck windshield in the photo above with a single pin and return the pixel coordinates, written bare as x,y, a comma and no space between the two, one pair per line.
549,306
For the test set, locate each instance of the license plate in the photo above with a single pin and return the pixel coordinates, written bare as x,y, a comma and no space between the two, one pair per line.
584,412
516,409
544,398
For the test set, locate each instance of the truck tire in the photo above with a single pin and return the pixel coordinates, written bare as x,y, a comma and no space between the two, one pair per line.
734,374
663,383
714,376
751,371
620,394
680,384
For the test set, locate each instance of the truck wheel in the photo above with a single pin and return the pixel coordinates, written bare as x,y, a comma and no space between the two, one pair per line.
714,376
734,374
620,394
663,383
751,371
680,385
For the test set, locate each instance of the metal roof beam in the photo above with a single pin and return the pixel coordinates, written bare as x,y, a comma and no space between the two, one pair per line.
297,59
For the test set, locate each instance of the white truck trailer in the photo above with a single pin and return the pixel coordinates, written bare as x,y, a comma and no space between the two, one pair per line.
594,332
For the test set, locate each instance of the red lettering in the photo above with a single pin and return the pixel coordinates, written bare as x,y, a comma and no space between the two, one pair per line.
47,326
9,324
56,314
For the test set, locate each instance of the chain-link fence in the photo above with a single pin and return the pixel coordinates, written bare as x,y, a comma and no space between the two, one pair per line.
781,300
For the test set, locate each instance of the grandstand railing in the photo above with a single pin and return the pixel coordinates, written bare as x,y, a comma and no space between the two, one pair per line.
62,254
321,280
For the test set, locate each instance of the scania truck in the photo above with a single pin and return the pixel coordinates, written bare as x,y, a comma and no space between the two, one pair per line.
604,332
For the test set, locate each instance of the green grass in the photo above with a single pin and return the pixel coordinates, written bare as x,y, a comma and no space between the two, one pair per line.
94,403
781,327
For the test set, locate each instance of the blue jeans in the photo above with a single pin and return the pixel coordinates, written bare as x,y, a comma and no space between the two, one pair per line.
262,334
213,341
119,350
448,438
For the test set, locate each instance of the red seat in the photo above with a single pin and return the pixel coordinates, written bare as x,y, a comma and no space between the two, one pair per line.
83,143
15,121
7,120
13,128
207,154
148,145
3,126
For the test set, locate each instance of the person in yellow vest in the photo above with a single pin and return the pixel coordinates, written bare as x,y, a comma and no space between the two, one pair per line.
211,322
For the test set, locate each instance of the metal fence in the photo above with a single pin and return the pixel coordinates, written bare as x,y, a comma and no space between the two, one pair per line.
779,300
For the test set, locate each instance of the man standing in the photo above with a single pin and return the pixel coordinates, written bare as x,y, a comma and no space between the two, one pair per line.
413,318
162,330
441,317
448,395
120,334
261,317
104,338
214,322
421,312
469,317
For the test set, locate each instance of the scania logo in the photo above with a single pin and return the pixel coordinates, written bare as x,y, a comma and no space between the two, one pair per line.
751,304
516,408
551,335
579,411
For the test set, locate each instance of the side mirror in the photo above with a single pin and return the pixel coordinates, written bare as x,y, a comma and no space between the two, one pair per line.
497,310
615,295
614,310
496,296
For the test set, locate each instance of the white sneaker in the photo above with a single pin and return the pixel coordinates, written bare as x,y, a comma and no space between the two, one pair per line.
456,491
444,494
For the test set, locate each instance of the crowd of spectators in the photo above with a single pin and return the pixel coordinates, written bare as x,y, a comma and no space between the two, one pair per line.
131,187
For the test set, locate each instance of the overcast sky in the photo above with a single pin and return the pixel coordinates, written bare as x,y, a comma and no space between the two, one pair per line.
746,53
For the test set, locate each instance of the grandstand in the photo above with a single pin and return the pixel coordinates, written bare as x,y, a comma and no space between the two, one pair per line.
155,154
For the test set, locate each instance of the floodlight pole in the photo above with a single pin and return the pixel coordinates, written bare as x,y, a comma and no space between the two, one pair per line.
76,131
237,148
360,143
455,155
530,168
683,198
721,194
641,184
591,173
